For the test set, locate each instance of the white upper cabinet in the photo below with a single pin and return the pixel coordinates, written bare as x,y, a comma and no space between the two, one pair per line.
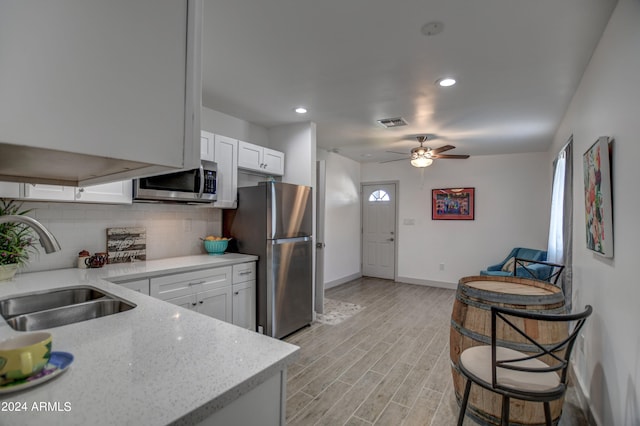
260,159
226,156
98,91
273,162
49,192
114,193
207,146
10,190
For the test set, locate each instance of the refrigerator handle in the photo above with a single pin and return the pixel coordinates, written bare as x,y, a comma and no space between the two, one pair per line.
290,240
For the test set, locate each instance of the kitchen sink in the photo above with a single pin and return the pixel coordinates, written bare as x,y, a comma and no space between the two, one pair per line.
55,308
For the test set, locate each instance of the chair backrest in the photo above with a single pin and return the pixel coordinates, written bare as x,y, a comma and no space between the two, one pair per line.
562,362
547,271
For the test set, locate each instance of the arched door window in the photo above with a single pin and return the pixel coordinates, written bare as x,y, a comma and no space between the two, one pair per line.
379,195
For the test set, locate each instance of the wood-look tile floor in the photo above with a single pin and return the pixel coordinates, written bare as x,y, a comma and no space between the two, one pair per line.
386,365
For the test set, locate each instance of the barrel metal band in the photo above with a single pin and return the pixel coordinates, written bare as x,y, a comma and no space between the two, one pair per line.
518,346
487,307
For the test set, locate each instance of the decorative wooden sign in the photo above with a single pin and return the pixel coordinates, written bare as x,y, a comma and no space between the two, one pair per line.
126,244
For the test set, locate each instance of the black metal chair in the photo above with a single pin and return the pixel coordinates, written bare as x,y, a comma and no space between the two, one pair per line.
514,374
538,269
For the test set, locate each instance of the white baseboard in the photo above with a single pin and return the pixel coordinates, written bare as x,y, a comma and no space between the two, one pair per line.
440,284
342,280
583,398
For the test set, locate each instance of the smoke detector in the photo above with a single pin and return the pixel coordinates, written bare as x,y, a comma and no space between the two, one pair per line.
392,122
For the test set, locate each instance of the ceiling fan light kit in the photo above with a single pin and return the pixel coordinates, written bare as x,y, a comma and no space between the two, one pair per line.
422,156
421,161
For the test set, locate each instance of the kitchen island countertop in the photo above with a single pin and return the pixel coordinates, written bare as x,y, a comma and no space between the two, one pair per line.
156,364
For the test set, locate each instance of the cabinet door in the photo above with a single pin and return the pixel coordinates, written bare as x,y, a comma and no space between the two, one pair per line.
10,190
250,156
273,162
49,192
115,192
188,301
90,64
215,303
141,286
244,305
207,151
226,155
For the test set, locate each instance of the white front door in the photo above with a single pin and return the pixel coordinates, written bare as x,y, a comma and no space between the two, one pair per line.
378,230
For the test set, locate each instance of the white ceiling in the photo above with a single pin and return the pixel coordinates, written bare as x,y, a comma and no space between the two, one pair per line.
352,62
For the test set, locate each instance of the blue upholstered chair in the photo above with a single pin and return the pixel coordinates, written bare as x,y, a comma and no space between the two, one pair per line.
539,271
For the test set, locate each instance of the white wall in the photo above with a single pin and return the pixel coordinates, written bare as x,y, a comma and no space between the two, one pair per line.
342,219
298,142
511,209
232,127
607,103
172,230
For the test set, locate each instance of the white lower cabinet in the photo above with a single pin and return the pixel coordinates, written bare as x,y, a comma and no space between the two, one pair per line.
215,303
244,295
206,291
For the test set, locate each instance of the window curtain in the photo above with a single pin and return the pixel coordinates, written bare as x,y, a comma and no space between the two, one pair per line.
561,222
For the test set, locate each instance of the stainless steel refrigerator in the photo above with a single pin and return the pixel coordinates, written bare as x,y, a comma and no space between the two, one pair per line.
274,221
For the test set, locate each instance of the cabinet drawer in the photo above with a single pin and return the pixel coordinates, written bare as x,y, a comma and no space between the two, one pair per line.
244,272
176,285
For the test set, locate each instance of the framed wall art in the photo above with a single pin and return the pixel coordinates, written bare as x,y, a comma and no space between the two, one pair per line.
453,204
597,198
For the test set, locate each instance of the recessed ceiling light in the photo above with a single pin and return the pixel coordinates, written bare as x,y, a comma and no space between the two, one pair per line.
301,110
446,82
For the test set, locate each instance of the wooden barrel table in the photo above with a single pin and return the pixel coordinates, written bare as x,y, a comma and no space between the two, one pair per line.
471,326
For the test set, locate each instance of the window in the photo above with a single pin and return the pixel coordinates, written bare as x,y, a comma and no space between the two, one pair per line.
379,195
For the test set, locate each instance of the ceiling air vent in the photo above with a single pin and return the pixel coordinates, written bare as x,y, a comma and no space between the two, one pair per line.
392,122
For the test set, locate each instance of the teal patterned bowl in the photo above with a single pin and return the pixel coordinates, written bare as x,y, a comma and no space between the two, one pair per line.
216,247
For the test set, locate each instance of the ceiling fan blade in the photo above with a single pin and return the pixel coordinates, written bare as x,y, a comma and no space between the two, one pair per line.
455,156
396,152
389,161
442,149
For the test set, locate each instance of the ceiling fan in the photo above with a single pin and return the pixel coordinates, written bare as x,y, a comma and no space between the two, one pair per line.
423,156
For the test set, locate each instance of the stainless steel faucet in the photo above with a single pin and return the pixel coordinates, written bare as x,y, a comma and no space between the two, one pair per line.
47,240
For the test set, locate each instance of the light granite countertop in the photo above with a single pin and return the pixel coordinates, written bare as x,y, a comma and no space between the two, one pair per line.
156,364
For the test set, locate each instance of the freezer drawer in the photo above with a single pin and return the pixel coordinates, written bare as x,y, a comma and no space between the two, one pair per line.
288,294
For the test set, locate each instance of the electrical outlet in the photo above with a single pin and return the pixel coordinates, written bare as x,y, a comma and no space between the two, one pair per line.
442,266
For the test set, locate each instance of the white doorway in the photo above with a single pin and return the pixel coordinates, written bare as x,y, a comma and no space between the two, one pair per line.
379,239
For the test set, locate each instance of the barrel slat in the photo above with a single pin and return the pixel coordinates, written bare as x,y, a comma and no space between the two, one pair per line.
471,326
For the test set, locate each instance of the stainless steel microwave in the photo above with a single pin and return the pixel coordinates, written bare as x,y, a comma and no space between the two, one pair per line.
194,185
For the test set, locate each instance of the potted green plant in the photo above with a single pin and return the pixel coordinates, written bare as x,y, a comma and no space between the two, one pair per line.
16,240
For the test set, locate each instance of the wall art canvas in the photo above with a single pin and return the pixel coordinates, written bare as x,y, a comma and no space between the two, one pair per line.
126,244
597,198
453,204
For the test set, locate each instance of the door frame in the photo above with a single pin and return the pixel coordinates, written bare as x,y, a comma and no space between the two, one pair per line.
321,172
396,183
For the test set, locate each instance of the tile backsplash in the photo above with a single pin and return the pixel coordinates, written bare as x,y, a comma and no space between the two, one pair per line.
172,230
